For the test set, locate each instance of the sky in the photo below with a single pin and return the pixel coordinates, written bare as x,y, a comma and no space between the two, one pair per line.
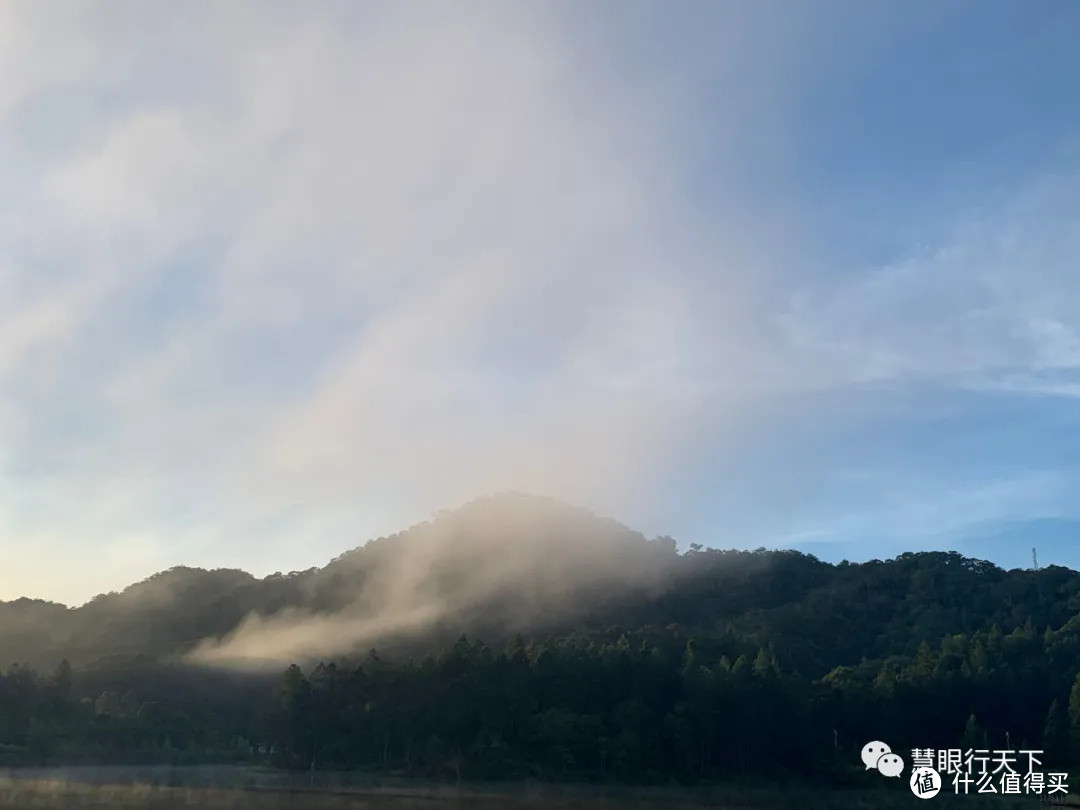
280,277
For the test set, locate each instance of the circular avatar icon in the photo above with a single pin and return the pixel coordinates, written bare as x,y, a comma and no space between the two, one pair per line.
925,782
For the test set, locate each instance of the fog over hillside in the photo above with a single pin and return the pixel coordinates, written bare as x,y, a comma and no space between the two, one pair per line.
508,563
500,565
522,564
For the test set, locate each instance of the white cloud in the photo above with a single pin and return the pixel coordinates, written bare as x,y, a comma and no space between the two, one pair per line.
366,268
43,46
145,165
290,271
999,299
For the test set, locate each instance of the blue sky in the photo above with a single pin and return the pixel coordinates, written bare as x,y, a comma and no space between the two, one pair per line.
276,278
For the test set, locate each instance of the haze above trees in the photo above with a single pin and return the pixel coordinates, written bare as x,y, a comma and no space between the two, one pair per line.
522,636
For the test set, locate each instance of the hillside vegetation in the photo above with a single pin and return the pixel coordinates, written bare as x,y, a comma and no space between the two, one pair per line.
547,642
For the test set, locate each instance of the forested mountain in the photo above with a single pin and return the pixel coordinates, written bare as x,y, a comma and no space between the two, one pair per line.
522,636
503,564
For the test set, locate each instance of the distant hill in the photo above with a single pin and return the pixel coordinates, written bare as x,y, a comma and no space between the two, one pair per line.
523,637
502,564
511,564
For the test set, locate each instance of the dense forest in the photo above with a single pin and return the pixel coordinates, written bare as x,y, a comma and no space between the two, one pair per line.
744,664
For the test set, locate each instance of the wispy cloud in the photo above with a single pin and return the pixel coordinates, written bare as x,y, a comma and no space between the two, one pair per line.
365,264
278,276
996,301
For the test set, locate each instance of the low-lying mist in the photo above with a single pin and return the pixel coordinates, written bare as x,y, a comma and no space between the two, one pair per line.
507,563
